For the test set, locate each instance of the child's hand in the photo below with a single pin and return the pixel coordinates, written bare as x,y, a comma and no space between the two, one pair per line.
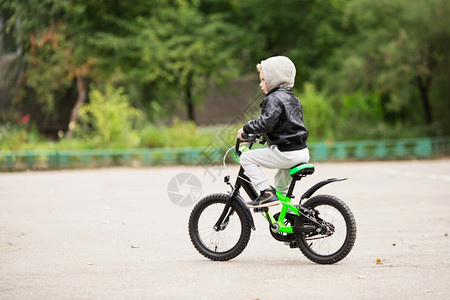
239,134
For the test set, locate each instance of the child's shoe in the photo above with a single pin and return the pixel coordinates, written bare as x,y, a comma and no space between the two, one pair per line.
266,199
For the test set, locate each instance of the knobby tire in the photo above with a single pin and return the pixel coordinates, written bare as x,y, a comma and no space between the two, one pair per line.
239,218
305,245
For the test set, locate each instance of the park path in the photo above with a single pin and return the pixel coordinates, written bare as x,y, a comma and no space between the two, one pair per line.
115,233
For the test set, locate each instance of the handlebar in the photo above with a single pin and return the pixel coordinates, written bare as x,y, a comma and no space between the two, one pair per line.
249,138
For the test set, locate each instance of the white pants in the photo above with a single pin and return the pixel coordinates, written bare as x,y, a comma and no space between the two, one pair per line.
272,158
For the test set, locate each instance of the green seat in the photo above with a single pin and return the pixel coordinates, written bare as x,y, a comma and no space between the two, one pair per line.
301,170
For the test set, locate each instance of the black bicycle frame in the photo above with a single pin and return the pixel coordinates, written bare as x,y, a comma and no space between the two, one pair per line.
244,182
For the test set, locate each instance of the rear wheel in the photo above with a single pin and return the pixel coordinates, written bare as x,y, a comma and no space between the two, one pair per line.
338,231
230,240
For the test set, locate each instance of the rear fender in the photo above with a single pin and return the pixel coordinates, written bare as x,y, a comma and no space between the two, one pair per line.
318,185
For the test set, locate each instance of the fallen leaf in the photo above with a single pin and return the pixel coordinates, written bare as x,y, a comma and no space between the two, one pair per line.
135,246
90,263
446,234
394,244
361,277
379,261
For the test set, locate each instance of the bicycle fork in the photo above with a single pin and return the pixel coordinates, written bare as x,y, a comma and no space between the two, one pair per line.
228,211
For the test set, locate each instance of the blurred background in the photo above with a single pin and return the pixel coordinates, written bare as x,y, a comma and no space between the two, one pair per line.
150,74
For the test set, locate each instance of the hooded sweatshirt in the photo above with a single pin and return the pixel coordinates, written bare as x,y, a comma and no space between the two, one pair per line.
281,120
278,71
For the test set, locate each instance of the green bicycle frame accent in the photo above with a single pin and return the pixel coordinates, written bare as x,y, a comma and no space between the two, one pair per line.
286,205
243,149
285,201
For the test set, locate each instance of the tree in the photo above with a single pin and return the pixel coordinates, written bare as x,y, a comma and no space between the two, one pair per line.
307,31
399,51
52,56
56,51
173,54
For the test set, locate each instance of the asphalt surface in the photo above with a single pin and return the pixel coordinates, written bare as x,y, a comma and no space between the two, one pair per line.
117,233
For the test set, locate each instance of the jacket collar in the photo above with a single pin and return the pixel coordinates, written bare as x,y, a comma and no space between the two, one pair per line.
279,88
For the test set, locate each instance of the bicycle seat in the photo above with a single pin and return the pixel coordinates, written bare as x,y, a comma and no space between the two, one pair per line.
301,170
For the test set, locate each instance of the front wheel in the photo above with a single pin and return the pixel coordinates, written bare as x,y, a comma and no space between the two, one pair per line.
234,233
337,234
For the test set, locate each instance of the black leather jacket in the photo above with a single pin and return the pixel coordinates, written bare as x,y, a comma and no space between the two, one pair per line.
281,121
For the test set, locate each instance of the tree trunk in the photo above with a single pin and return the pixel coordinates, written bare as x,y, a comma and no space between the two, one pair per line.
424,85
190,105
80,100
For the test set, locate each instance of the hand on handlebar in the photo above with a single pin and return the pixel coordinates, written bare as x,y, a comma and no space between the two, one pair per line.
239,134
245,137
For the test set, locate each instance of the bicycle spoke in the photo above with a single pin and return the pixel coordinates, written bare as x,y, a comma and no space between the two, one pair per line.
218,241
331,243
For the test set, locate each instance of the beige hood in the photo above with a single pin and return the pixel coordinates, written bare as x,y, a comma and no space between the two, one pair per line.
278,71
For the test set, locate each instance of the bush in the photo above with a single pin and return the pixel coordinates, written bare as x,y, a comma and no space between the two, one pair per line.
12,137
18,136
361,117
108,120
180,134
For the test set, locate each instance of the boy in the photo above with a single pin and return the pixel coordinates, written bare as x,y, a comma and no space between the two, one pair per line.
281,122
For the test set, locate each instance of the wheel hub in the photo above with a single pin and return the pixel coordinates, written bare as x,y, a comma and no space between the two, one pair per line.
327,229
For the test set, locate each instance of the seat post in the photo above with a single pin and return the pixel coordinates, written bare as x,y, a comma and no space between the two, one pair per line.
291,188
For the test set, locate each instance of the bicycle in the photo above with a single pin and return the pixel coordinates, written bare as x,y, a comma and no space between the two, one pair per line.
323,228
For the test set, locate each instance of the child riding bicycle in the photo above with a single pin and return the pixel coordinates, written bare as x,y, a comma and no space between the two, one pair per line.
281,123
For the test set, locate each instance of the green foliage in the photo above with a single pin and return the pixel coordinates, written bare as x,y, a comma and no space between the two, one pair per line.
170,57
399,51
360,118
12,137
49,68
317,112
17,136
304,30
51,37
382,65
355,116
180,134
109,120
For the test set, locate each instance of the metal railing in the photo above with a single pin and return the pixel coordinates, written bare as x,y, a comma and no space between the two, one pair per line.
322,151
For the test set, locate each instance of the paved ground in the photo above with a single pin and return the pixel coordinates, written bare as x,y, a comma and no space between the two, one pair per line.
114,233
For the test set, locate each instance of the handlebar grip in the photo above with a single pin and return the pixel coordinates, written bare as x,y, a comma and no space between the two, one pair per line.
250,138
